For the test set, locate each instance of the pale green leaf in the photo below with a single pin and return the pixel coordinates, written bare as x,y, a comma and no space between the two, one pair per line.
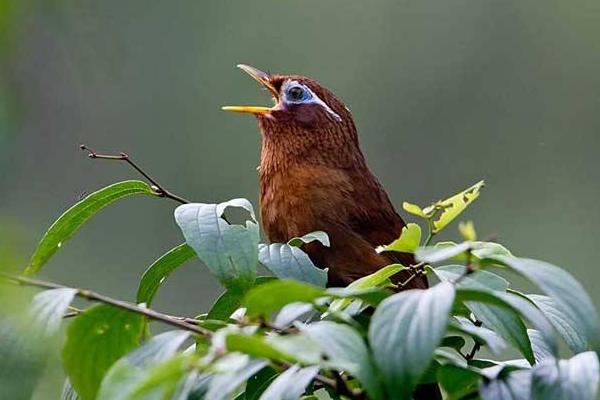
228,250
319,236
576,378
453,206
347,351
414,210
290,262
291,384
48,309
408,242
404,332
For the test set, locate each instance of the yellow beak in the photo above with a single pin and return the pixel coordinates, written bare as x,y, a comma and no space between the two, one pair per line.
264,79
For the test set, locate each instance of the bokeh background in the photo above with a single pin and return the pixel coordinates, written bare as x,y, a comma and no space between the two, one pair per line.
444,93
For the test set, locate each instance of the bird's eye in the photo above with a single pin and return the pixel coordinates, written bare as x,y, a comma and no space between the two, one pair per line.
296,93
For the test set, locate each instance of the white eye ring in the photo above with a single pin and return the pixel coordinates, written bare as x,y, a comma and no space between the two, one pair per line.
309,97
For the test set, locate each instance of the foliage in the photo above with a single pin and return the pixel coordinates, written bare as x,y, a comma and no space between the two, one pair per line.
289,337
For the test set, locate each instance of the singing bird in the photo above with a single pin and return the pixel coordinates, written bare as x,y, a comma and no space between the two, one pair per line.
314,177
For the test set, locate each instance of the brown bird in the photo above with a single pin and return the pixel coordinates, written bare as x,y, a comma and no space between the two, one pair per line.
313,176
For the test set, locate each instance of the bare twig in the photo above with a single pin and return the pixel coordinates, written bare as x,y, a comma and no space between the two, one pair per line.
93,296
157,187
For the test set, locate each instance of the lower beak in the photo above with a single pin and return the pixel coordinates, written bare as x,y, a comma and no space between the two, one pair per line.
264,79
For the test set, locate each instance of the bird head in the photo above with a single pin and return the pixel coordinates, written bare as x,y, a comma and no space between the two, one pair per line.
301,105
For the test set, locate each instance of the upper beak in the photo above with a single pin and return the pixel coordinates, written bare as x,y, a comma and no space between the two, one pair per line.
264,79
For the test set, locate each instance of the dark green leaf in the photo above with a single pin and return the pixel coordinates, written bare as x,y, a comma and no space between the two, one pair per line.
270,297
576,378
567,294
564,325
346,350
457,382
228,250
231,300
128,374
404,332
72,219
290,262
291,384
95,340
454,342
48,309
256,385
160,270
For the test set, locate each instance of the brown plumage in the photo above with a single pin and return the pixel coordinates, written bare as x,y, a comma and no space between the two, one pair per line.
313,176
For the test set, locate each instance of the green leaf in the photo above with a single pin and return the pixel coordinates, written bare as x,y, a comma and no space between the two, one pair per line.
415,210
72,219
378,278
482,335
441,251
564,325
453,206
508,386
48,309
480,279
454,342
128,374
228,250
255,346
501,311
95,340
291,384
576,378
290,262
160,270
319,236
457,382
408,242
346,350
567,294
404,332
161,380
257,384
231,300
303,348
291,313
266,299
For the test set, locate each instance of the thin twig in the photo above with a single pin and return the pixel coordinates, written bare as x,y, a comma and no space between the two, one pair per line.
93,296
476,345
157,187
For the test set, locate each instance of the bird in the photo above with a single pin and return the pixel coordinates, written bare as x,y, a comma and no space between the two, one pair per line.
313,176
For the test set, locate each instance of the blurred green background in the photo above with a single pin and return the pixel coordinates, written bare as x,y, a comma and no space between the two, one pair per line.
444,93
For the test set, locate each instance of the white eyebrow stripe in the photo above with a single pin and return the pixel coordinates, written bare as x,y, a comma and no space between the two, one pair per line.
316,100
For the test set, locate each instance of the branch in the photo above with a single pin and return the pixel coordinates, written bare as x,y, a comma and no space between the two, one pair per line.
157,187
93,296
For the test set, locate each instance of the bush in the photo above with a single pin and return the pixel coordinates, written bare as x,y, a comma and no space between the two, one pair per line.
289,337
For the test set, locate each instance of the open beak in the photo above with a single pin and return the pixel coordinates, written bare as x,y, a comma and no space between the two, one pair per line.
264,79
